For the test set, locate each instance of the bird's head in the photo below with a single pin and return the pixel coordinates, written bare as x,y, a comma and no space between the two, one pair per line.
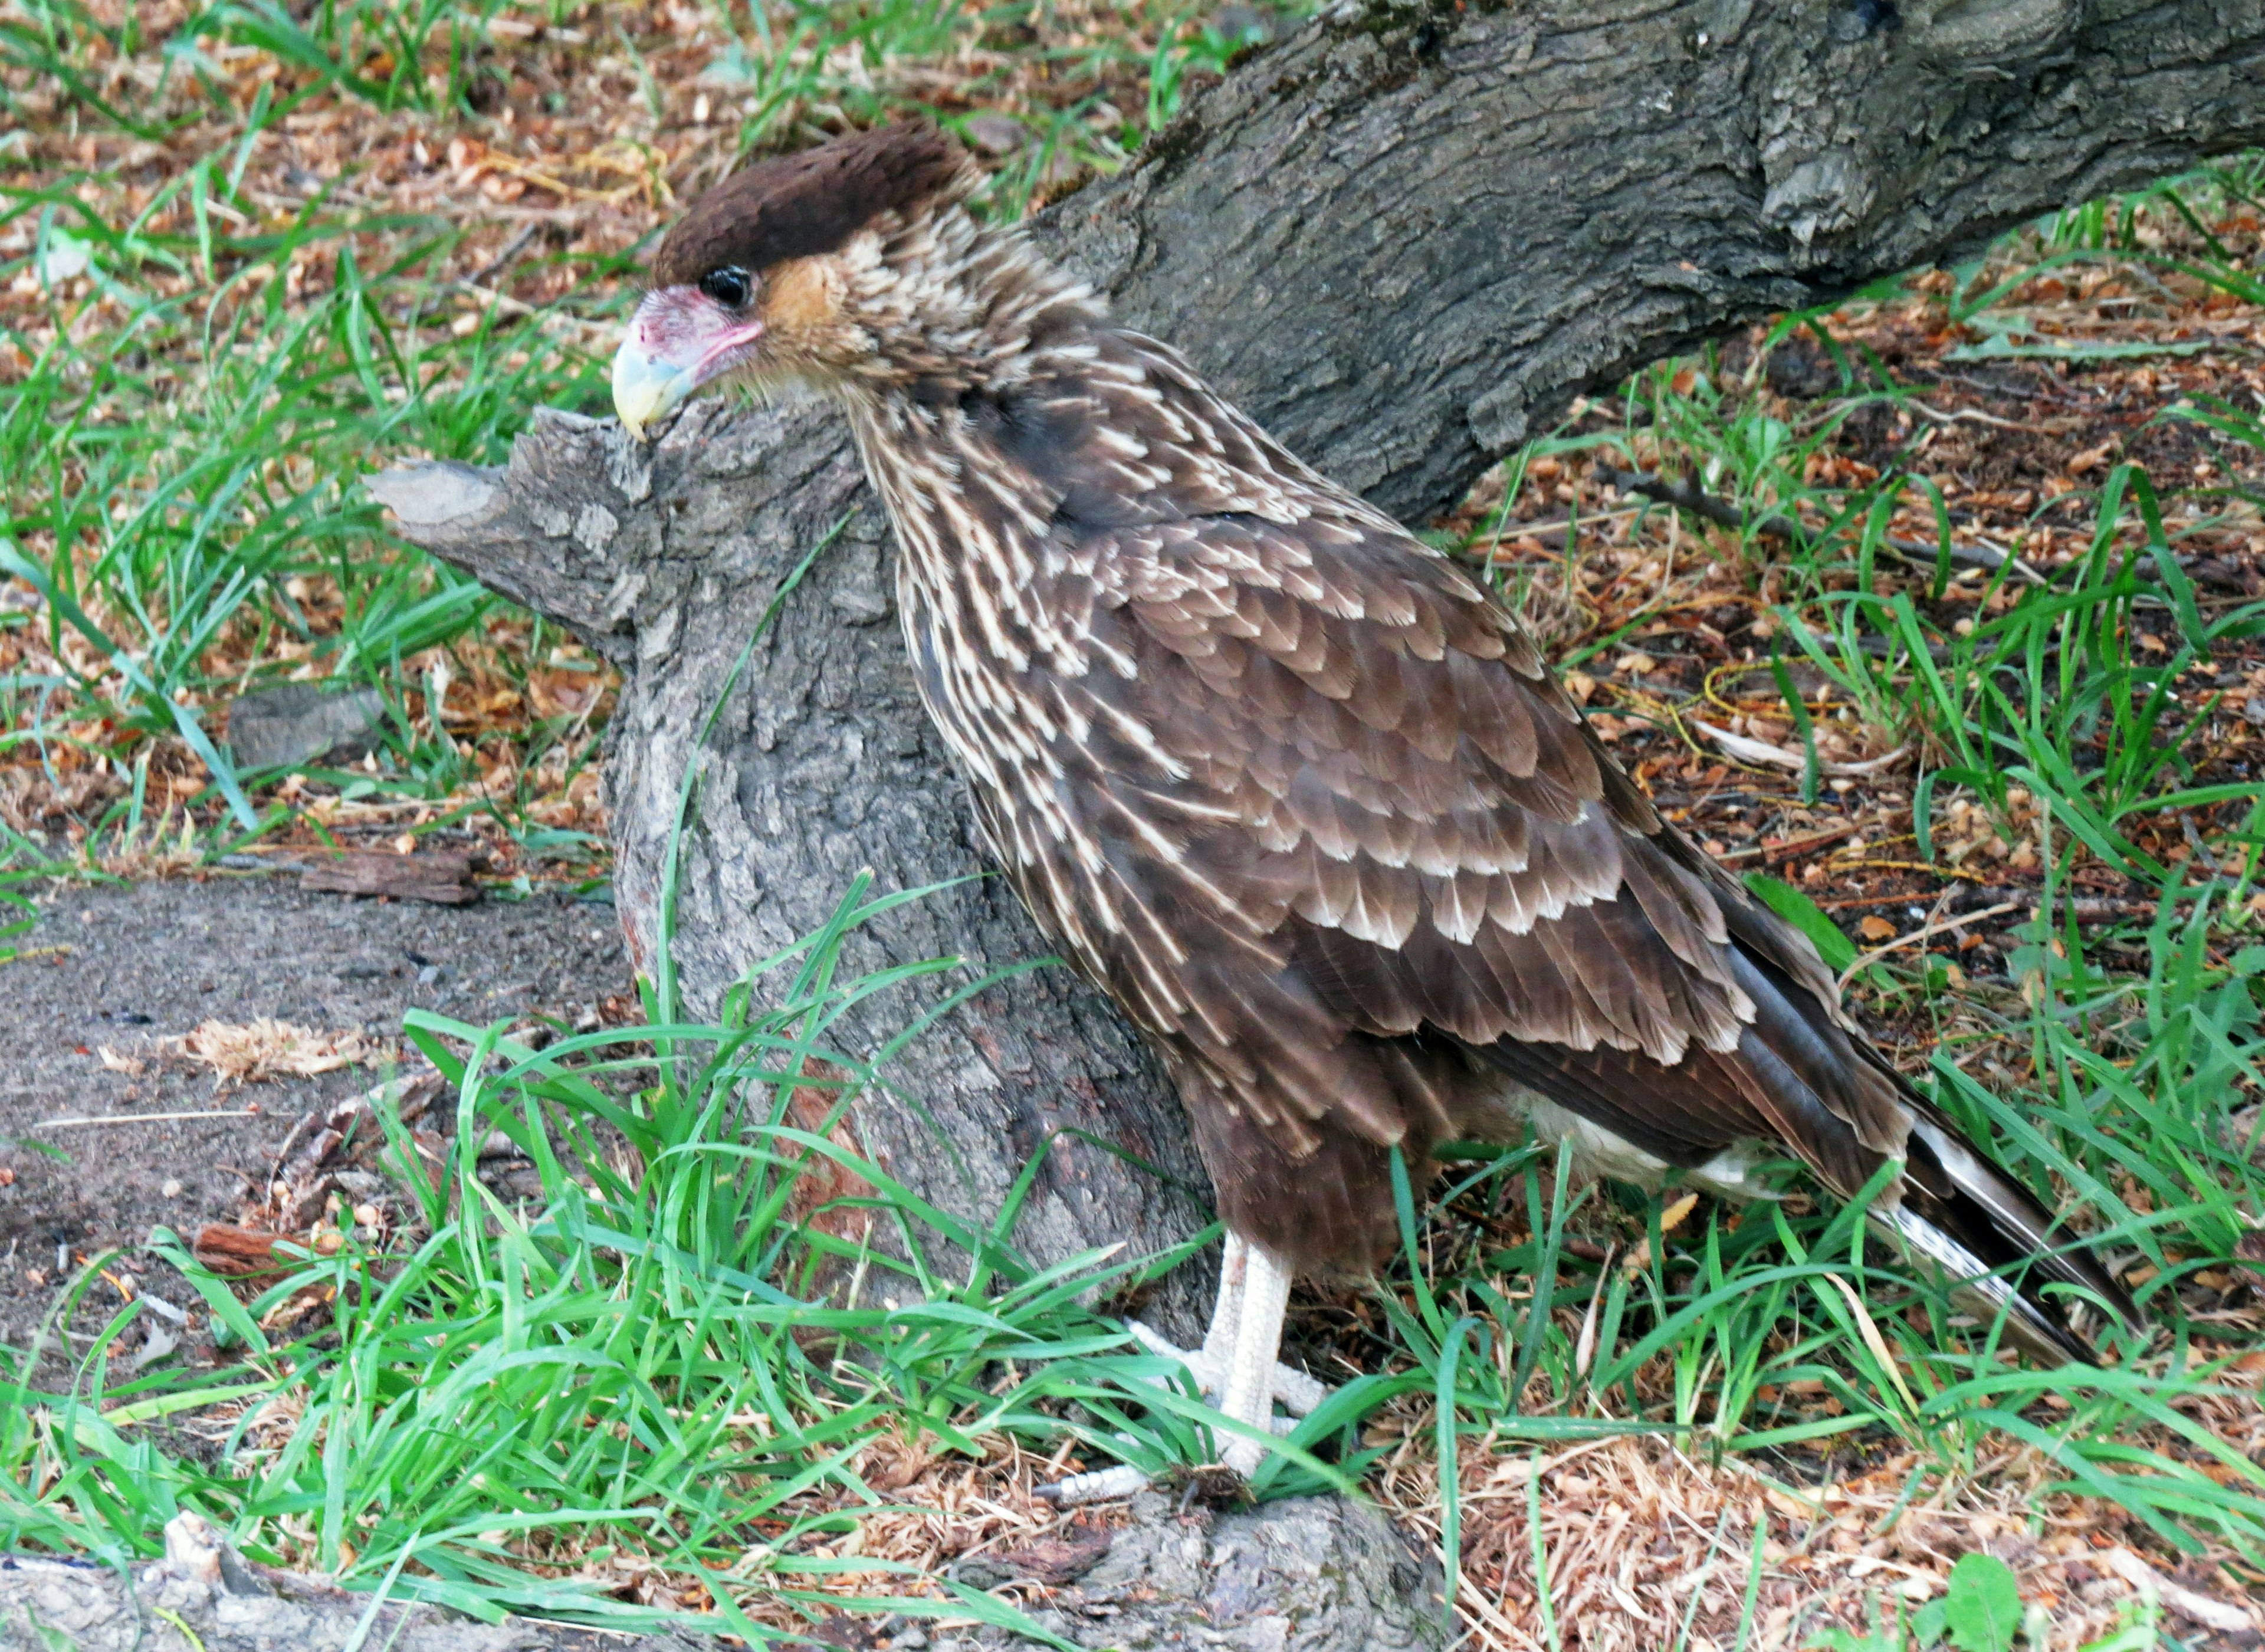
853,261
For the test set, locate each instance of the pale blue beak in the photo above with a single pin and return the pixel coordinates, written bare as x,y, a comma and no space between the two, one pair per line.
646,387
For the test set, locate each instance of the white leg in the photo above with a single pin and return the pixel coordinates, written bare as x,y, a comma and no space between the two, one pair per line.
1249,1396
1226,1314
1208,1365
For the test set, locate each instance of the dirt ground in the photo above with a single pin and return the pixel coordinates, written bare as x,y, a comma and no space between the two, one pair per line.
135,965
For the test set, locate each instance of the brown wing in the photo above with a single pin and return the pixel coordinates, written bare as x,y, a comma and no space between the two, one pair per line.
1382,817
1338,837
1304,799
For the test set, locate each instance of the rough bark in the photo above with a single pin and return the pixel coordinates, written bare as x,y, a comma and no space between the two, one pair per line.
1404,238
1319,1572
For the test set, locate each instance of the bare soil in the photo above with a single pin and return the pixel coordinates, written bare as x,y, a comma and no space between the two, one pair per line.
132,966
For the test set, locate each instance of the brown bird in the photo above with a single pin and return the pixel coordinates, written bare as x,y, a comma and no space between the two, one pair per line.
1292,789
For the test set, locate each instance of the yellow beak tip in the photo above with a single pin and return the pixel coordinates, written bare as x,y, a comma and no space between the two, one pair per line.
644,389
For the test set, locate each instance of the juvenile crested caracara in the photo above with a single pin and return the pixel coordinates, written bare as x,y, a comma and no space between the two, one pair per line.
1289,786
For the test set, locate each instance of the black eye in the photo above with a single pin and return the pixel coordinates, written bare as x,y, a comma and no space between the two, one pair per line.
728,285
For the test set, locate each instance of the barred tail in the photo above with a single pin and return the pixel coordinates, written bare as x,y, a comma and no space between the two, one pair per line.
1998,1246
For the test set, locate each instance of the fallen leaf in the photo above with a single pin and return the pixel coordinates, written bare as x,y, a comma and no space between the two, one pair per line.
1876,928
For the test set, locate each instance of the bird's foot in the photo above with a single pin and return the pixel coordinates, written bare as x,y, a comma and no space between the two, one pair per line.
1299,1395
1235,1370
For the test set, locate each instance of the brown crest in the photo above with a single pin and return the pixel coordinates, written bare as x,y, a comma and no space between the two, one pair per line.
798,206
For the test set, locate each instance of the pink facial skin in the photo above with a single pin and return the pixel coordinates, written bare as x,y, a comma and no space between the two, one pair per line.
679,340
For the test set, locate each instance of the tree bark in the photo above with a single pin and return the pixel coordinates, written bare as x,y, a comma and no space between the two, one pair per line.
1404,238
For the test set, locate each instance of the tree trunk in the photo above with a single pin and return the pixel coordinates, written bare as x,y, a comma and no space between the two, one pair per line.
1403,238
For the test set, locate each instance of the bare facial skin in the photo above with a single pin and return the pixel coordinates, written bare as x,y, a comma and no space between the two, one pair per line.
682,338
788,323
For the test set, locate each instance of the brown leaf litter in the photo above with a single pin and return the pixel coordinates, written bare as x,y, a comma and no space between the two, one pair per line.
1640,1538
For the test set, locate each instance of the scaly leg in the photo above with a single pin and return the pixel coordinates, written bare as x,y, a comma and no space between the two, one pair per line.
1251,1384
1212,1363
1209,1366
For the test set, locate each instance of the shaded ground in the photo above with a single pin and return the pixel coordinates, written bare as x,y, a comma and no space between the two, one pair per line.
153,961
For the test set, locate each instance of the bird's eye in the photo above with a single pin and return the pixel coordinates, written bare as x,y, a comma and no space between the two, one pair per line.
728,287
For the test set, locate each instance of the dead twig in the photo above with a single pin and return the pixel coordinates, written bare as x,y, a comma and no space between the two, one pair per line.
146,1119
1926,931
480,277
1786,849
1748,750
1686,495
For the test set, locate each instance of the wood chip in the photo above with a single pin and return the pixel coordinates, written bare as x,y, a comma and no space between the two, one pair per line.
444,879
235,1251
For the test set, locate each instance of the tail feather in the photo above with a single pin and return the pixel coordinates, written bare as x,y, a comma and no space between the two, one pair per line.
1803,1078
1997,1245
1988,1296
1849,1107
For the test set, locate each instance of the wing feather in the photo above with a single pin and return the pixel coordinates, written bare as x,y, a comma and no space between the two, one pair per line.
1350,811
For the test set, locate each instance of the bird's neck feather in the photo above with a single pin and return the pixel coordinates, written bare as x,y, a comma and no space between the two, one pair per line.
955,307
969,322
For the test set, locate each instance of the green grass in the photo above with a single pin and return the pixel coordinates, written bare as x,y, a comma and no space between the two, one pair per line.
584,1371
190,499
580,1375
179,448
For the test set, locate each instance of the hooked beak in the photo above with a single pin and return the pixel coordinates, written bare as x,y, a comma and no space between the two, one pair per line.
679,340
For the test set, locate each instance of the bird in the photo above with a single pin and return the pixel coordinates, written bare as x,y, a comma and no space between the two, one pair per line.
1294,790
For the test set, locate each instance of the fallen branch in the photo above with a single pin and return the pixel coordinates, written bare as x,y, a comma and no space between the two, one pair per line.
2193,1604
444,879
